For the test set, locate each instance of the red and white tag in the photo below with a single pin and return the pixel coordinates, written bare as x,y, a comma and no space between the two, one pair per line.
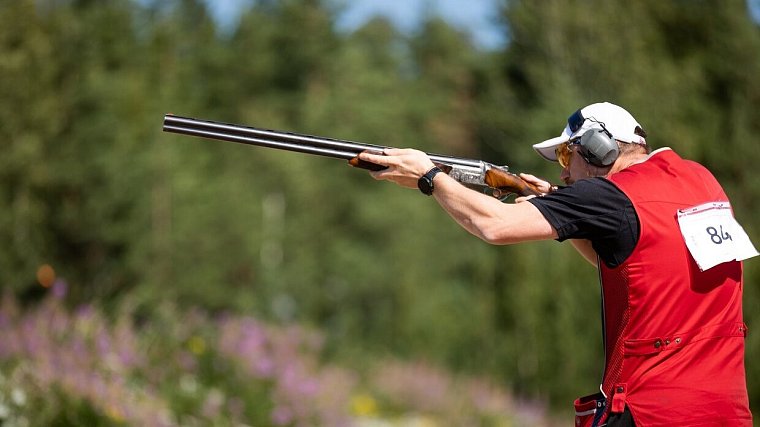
713,236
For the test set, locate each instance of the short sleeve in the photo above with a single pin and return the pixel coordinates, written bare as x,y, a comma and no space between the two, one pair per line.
596,210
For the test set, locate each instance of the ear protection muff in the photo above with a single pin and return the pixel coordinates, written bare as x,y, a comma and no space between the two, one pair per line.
598,148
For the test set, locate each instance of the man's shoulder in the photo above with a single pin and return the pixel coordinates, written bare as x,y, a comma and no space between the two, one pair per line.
664,157
586,193
593,188
664,172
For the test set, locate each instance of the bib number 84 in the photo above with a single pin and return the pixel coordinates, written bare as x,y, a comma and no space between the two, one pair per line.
725,241
716,237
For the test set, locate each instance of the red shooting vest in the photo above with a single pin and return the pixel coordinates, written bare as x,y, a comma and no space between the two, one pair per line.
674,336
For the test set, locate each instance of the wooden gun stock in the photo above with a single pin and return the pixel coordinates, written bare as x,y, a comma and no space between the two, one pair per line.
510,183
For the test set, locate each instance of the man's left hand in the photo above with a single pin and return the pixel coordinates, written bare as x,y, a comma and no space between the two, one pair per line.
404,165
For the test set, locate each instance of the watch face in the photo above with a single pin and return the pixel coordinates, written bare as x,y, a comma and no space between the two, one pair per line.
425,185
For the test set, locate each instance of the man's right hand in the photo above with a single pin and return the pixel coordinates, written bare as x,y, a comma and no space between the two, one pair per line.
544,186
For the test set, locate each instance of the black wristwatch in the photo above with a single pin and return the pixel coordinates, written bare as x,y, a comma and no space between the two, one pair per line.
425,183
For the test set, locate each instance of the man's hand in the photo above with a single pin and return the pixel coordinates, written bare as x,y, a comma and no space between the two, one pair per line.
405,165
544,186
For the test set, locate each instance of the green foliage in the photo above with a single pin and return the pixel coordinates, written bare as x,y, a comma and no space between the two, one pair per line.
122,211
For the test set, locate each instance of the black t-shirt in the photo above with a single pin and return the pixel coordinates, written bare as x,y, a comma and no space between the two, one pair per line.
593,209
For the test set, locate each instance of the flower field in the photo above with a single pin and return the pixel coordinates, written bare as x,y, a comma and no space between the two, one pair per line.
96,367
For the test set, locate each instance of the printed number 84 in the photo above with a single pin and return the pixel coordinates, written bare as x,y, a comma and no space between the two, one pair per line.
716,237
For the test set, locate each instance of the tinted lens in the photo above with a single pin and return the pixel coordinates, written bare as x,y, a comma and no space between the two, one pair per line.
564,154
575,121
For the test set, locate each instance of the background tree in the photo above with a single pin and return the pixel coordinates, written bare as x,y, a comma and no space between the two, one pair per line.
130,215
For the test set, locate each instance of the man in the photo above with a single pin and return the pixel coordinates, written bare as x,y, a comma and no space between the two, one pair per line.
673,333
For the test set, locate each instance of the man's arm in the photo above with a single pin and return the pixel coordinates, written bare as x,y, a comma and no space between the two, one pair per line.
583,247
483,216
489,219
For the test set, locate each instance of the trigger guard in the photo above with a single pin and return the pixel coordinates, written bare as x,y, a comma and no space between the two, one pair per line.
498,194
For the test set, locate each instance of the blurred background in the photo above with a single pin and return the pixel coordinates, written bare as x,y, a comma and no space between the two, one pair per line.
153,279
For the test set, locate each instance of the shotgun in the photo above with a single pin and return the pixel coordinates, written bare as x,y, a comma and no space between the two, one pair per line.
478,175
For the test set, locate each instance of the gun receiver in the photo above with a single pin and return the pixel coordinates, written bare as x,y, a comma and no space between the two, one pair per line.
478,175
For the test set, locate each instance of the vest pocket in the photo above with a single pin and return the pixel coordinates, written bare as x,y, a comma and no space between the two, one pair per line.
642,347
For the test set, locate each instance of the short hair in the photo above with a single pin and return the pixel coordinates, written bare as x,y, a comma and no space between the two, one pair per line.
629,147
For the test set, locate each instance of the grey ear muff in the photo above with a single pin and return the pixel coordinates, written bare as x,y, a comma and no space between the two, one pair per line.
598,148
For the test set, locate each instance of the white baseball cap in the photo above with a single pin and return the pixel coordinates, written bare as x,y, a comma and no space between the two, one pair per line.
603,115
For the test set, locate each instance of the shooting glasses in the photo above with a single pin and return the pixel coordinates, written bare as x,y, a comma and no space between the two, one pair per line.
565,153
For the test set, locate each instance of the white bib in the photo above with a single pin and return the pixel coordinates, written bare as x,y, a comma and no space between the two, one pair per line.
713,236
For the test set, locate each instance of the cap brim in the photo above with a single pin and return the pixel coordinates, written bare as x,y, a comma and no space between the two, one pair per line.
546,148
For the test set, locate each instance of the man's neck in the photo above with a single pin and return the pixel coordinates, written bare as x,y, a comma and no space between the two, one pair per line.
627,160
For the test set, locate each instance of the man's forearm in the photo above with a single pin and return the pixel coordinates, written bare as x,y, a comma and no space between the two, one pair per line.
489,219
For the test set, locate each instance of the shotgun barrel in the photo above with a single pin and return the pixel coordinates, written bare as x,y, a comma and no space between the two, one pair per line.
476,174
308,144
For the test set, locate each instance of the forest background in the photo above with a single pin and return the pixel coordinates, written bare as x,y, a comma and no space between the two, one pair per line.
121,232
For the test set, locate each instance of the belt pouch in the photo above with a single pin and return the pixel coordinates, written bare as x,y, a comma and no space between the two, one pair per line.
590,410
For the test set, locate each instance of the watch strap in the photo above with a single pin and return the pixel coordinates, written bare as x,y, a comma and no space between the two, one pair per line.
425,183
